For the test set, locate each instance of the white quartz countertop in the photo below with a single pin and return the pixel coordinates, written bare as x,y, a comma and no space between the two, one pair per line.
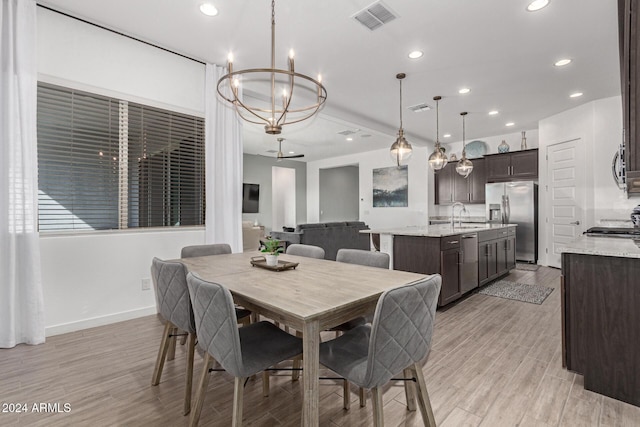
605,246
438,230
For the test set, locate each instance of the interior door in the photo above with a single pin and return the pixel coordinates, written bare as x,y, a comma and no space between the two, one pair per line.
565,196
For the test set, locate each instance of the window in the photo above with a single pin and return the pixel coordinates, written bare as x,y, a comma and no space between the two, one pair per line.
105,163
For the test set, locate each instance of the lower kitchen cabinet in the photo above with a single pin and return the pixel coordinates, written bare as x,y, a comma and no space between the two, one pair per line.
453,257
496,253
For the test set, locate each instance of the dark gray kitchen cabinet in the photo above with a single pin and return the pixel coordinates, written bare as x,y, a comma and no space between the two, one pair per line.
452,187
515,166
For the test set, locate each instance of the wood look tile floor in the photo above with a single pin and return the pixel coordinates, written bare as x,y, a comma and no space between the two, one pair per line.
494,362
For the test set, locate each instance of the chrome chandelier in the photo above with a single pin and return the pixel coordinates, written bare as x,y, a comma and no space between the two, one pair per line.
276,87
401,150
437,159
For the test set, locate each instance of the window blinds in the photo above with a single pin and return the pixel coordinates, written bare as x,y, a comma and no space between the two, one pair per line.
105,163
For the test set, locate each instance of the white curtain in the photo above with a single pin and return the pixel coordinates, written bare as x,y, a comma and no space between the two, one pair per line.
223,151
21,301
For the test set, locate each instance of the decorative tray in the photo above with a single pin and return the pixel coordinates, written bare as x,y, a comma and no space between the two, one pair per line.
260,261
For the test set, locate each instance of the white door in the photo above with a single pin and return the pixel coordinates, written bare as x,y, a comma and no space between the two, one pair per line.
565,196
283,198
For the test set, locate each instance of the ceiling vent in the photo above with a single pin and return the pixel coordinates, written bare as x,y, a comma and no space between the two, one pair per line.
375,15
419,108
348,132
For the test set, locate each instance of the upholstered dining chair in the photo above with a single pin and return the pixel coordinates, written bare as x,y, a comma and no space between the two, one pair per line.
242,314
308,251
398,339
174,305
205,250
362,257
370,259
242,352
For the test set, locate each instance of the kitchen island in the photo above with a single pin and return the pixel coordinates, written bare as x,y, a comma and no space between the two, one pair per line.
600,285
466,256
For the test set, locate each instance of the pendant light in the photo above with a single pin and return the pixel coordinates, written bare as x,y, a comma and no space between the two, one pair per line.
437,159
464,166
401,150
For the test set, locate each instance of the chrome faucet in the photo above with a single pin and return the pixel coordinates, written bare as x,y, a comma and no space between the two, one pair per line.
453,208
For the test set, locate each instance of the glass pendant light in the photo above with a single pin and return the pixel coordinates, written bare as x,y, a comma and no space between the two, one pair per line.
464,166
437,159
401,150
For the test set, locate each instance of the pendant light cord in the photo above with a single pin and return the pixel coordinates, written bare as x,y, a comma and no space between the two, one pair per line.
400,104
437,122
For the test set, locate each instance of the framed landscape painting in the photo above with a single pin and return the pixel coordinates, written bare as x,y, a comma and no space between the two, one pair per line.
390,187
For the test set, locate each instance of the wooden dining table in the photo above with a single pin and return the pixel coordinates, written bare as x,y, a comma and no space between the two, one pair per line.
315,296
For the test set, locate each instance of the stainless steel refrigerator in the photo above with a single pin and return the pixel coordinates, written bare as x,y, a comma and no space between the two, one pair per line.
516,203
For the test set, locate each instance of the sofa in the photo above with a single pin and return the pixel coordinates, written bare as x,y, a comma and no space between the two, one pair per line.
330,236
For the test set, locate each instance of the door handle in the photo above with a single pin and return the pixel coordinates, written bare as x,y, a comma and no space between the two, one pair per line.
574,223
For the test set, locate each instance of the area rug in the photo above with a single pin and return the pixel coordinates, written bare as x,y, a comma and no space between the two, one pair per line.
527,267
534,294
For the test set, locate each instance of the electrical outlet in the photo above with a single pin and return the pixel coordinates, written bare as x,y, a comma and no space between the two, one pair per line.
146,284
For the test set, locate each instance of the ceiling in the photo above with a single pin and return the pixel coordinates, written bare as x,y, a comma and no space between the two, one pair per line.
498,49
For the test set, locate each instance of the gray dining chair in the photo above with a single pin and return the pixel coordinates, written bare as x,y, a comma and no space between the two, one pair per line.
369,259
398,339
242,352
205,250
363,257
174,305
242,314
308,251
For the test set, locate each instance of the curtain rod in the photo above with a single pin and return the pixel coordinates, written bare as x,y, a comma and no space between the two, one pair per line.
119,33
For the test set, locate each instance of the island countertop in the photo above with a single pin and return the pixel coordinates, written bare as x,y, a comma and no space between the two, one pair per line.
604,246
438,230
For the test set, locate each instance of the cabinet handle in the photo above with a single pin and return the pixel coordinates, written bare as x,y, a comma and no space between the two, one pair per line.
453,242
486,251
469,196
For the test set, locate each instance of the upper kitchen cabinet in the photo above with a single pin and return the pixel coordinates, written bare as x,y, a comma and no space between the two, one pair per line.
451,187
630,75
519,165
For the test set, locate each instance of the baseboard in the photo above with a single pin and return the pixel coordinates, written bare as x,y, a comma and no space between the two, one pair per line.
98,321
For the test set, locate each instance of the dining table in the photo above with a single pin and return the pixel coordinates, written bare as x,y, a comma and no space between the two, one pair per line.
314,296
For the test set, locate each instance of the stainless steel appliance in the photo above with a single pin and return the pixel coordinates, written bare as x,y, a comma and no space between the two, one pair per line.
468,262
516,203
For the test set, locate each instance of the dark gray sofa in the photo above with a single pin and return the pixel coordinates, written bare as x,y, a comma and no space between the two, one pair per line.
330,236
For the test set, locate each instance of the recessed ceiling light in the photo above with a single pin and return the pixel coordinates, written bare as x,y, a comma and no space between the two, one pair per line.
464,90
292,152
576,94
510,124
349,139
493,112
562,62
416,54
208,9
446,135
537,5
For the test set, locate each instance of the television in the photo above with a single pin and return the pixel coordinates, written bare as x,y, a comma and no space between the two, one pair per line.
250,198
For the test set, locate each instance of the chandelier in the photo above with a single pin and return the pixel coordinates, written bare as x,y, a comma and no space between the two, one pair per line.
401,150
437,159
464,166
276,89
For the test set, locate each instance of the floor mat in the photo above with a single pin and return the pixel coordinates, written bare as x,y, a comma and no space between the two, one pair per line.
534,294
527,267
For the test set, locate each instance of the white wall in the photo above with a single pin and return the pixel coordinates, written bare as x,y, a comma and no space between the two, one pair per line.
75,54
96,279
598,124
93,279
420,180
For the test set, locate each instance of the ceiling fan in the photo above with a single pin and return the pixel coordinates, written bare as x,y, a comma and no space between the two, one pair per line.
281,156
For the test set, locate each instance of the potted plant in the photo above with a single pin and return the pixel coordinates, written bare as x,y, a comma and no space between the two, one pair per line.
271,248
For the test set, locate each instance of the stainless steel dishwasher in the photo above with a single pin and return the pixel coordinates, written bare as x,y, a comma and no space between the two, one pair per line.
468,262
